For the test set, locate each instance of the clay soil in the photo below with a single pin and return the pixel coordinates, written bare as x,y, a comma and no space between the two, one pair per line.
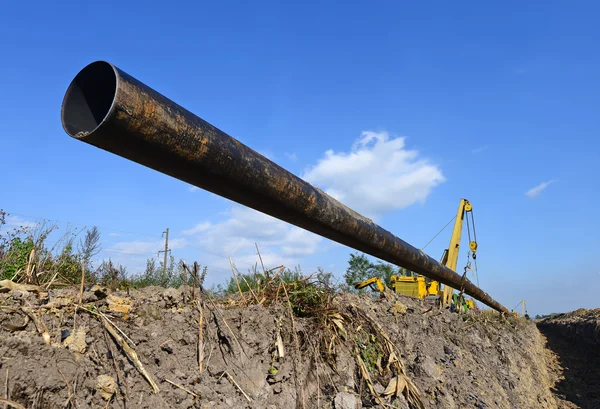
257,356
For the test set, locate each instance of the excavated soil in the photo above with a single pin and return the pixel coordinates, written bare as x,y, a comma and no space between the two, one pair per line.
573,342
259,357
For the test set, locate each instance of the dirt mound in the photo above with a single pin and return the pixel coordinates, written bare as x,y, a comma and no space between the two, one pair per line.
578,325
358,352
572,340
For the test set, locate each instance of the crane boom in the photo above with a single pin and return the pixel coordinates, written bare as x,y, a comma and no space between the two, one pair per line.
450,258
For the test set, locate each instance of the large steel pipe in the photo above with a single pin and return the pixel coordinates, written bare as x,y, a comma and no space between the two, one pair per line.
111,110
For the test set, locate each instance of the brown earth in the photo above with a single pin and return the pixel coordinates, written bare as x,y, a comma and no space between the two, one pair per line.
573,342
445,360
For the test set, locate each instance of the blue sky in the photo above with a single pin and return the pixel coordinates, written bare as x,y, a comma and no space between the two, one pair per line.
400,109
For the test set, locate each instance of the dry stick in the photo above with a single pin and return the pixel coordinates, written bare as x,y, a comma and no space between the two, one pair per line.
131,354
196,267
185,280
11,404
279,270
231,331
182,388
186,269
28,267
69,394
316,360
225,373
82,281
6,387
261,261
114,325
120,377
236,279
39,324
226,324
51,281
75,389
250,288
200,338
296,347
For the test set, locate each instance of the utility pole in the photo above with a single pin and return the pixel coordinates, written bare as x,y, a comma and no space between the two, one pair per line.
166,250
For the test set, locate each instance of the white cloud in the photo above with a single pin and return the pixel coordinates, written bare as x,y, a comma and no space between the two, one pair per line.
16,222
378,175
193,188
279,243
535,191
141,247
113,234
291,156
479,149
200,227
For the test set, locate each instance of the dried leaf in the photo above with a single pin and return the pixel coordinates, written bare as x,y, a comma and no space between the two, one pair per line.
279,343
8,285
338,323
396,386
367,377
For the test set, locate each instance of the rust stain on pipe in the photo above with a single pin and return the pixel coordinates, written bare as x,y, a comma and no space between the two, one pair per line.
113,111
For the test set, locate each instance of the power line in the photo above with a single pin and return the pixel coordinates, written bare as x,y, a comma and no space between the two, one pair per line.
80,224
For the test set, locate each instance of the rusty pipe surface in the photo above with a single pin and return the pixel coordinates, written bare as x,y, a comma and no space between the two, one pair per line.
111,110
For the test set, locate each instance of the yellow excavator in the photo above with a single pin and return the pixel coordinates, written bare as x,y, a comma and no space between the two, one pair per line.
415,285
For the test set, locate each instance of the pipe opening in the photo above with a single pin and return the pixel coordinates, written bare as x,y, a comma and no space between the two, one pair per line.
89,98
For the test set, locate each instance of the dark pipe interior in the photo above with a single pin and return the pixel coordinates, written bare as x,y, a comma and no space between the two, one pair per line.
89,98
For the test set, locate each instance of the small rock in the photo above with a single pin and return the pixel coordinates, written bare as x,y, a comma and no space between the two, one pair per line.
121,305
167,347
400,402
179,374
278,388
428,367
378,388
171,296
180,395
64,334
76,341
178,318
149,312
188,403
345,400
106,385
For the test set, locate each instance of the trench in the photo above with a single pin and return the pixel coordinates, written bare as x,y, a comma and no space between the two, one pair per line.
575,365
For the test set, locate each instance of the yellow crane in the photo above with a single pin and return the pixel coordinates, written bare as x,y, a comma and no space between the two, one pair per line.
415,285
